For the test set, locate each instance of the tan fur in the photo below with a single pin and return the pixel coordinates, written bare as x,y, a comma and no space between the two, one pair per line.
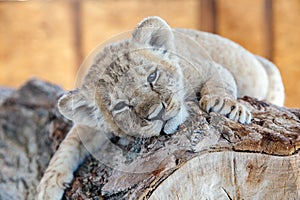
118,94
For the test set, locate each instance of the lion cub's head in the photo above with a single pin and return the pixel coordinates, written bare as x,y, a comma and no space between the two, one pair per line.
134,87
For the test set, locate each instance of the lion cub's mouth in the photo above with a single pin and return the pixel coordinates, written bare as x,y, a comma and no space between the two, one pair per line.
157,113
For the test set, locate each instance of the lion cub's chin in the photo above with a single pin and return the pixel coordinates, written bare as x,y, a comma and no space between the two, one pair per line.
172,124
152,129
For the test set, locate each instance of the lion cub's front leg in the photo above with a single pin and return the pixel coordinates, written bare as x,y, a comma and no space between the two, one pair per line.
219,94
59,173
226,106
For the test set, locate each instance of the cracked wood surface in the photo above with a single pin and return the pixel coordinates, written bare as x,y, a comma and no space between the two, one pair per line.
31,129
209,157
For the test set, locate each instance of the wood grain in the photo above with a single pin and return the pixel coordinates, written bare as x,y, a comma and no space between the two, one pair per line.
210,157
287,47
242,22
233,175
104,19
36,40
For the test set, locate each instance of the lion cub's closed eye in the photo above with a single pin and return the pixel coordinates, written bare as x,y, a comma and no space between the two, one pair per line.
138,87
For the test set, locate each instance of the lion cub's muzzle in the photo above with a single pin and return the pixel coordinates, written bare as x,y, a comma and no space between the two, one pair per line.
156,112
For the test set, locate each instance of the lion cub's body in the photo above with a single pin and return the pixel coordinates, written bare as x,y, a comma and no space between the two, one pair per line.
138,87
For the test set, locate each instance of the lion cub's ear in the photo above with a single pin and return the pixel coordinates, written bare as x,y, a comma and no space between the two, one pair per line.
154,32
76,107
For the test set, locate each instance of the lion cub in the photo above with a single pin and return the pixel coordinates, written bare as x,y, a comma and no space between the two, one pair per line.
138,87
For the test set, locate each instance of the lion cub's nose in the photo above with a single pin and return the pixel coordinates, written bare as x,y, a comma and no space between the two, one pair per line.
156,112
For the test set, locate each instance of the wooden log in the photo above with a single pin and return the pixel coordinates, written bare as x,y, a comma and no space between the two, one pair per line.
210,157
31,129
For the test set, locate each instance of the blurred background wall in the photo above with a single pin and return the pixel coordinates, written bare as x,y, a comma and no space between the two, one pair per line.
49,39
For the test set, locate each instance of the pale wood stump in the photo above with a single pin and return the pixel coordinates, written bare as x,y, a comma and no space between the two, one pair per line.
210,157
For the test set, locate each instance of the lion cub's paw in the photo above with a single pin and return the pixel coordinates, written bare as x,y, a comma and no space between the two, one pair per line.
53,184
226,106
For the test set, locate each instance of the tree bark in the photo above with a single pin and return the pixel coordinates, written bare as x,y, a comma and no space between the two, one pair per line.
31,129
210,157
